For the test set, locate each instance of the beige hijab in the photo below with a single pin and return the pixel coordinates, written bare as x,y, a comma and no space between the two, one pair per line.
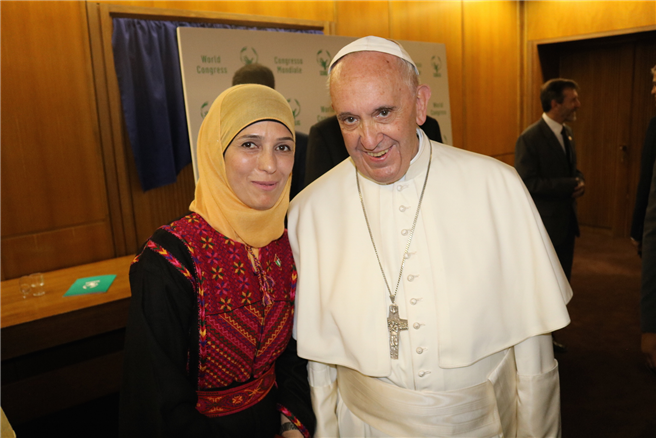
235,109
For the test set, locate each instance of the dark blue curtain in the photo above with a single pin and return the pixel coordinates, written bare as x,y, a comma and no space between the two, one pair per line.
150,82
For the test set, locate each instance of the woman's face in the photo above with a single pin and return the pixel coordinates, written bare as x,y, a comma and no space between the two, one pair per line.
258,163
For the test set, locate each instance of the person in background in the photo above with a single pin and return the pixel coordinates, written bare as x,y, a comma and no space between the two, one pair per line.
648,157
428,288
208,350
261,74
643,235
648,289
545,158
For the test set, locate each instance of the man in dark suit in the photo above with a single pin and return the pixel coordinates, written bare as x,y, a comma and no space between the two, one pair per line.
648,290
643,235
261,74
326,147
545,158
646,166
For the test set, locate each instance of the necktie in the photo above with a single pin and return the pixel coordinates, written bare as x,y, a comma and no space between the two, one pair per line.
568,147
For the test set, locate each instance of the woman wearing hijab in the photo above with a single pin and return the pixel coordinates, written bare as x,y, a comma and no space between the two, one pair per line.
208,348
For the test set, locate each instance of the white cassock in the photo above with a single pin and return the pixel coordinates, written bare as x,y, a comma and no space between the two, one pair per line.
482,289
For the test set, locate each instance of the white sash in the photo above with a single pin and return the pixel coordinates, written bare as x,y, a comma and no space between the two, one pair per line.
468,412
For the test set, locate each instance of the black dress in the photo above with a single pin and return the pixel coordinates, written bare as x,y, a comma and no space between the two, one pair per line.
203,319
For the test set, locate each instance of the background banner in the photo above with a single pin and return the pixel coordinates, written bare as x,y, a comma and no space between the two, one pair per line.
209,58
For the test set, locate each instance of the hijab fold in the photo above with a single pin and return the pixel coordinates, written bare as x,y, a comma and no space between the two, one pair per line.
235,109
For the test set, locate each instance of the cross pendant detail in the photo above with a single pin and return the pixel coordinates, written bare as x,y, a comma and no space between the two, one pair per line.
394,326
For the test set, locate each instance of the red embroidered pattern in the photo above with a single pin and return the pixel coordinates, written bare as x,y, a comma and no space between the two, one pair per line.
229,401
167,255
287,413
240,337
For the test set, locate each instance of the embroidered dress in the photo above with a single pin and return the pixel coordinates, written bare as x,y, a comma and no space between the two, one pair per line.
208,335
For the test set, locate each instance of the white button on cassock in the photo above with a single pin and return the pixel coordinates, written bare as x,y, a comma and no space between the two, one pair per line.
411,277
421,373
420,350
416,326
413,301
404,232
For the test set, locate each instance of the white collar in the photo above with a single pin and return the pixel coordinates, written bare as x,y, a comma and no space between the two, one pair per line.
555,127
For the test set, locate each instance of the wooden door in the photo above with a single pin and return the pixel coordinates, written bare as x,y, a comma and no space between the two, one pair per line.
613,74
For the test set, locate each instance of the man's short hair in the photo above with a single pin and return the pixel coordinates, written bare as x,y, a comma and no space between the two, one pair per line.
254,74
553,90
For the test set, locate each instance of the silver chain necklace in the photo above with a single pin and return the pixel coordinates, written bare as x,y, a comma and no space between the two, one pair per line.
394,323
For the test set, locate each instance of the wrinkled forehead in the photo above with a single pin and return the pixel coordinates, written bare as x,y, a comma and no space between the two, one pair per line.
366,66
364,83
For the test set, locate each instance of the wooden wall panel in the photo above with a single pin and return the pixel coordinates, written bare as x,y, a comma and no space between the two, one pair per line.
52,171
162,205
574,20
553,19
604,74
62,248
491,70
362,18
306,10
50,158
404,17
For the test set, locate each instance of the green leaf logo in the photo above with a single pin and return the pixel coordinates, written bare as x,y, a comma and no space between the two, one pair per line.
296,109
436,62
323,59
248,55
204,109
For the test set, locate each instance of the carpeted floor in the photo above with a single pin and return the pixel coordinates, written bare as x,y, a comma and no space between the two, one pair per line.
606,389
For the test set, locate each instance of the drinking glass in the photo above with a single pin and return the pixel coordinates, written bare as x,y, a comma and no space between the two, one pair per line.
25,284
37,282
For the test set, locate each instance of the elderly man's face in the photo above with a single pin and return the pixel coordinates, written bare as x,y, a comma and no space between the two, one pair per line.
378,113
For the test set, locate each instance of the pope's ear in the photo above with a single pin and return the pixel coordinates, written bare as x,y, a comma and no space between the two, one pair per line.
423,95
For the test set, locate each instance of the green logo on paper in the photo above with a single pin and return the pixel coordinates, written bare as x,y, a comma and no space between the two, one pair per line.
296,110
91,284
204,109
436,62
248,55
323,59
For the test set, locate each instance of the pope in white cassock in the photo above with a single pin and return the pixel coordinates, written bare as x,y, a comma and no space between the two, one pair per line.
428,288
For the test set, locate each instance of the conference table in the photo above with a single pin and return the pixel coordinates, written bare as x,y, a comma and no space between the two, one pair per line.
59,351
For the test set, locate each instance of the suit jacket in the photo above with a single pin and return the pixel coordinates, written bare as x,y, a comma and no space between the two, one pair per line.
648,290
646,171
549,177
326,147
298,171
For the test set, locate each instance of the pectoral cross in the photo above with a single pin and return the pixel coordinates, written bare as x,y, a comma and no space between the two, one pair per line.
394,325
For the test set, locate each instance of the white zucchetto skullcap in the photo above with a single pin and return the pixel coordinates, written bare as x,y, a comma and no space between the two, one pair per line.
374,44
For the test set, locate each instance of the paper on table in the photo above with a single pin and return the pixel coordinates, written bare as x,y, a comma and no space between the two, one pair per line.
90,285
